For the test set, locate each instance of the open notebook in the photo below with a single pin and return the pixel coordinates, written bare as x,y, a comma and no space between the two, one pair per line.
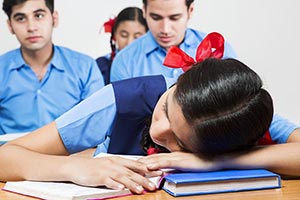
61,191
68,191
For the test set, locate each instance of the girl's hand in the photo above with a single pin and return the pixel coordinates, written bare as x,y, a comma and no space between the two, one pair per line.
178,160
113,172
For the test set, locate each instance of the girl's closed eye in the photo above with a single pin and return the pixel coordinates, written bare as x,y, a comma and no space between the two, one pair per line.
165,109
124,34
182,147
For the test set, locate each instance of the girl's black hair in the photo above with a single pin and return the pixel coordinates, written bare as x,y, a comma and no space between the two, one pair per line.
225,105
147,142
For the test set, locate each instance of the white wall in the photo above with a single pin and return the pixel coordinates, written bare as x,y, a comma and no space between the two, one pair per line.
264,33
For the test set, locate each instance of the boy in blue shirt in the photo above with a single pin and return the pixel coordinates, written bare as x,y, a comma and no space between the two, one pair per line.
40,81
167,22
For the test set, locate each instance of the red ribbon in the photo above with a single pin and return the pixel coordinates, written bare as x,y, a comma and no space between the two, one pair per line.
108,26
211,46
266,139
152,150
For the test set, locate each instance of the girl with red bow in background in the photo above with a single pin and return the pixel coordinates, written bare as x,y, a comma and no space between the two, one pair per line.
210,119
124,29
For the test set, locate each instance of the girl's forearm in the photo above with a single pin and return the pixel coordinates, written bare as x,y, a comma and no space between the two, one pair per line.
18,163
280,158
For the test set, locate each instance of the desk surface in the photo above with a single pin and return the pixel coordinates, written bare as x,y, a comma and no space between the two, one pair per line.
290,190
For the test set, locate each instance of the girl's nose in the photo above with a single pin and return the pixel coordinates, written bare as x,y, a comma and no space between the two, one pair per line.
162,134
130,40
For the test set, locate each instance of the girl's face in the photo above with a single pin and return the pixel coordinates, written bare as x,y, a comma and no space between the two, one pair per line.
127,31
169,127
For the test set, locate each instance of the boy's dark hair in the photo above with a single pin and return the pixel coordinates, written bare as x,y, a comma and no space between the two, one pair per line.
8,4
187,2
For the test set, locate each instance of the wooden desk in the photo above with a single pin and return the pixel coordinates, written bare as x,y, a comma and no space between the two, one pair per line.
290,190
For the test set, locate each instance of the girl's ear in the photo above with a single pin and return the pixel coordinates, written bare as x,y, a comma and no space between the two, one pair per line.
10,28
55,19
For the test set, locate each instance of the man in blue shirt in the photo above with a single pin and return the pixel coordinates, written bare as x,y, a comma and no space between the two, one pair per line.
167,22
40,81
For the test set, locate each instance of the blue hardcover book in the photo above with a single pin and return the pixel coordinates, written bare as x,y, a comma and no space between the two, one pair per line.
196,183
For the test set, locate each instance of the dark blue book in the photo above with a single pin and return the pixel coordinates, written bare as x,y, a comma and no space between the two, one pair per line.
197,183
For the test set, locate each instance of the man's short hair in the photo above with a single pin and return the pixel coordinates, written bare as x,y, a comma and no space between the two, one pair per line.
187,2
8,4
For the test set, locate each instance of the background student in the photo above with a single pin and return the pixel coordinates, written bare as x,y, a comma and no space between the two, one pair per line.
126,27
167,21
221,117
208,16
40,81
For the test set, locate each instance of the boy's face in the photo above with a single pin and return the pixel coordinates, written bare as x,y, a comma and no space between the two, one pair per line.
33,23
167,20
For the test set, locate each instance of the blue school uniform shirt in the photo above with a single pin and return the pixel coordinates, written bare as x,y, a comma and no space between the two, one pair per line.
27,103
98,121
281,128
144,56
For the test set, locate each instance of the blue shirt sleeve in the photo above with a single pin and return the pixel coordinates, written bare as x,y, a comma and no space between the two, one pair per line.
281,129
89,123
94,82
229,52
119,69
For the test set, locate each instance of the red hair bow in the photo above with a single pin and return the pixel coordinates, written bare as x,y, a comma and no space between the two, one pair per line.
211,46
108,26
